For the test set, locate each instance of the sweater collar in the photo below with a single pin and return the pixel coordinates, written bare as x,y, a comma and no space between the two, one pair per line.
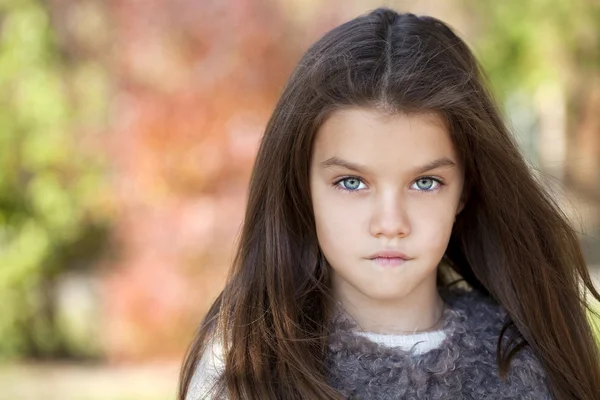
345,331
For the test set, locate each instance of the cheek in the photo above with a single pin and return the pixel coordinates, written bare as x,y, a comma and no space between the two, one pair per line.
434,226
338,222
342,217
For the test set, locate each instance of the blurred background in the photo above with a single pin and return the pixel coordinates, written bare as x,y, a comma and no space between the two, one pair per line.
127,132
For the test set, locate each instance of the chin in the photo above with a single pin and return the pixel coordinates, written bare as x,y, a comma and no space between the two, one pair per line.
389,295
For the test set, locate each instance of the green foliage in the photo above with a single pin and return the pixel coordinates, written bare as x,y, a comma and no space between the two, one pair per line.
525,43
46,219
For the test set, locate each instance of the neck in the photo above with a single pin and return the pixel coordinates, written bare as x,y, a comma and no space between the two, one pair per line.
419,311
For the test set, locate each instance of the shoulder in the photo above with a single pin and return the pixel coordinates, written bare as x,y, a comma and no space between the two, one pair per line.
527,376
207,372
483,320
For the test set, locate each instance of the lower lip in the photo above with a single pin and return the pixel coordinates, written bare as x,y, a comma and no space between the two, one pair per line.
388,262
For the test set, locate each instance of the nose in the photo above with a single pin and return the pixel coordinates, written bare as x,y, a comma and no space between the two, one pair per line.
390,217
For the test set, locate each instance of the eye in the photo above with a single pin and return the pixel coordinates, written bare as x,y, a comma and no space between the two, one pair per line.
350,184
427,184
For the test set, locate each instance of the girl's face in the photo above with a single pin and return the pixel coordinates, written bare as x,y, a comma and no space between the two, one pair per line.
384,183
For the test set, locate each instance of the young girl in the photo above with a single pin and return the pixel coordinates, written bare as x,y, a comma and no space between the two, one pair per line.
386,173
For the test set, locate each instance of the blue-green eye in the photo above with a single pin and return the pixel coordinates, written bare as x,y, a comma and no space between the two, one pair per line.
427,184
350,184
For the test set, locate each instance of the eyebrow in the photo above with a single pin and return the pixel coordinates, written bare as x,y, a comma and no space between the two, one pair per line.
338,162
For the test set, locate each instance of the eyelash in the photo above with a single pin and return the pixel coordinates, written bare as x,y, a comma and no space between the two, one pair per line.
337,186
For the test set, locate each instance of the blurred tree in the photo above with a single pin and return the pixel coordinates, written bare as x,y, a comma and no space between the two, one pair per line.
51,218
195,83
548,53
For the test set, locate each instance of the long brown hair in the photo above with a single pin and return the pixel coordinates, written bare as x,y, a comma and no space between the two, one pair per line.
511,241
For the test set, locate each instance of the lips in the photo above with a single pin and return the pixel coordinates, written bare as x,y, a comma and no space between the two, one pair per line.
389,258
392,254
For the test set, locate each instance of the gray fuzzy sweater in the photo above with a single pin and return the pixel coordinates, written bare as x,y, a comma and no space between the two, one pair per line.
463,367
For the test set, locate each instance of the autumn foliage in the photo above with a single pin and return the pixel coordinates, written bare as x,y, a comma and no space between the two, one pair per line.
195,84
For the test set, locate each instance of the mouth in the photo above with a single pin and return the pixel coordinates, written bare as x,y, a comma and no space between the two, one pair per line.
389,254
388,261
389,258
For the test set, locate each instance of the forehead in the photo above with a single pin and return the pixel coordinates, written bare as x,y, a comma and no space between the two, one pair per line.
373,137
